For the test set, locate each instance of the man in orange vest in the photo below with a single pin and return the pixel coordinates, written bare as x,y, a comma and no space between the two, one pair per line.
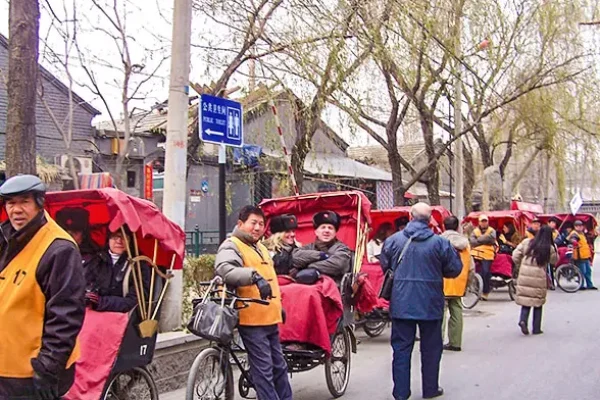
243,262
455,288
483,249
582,254
41,296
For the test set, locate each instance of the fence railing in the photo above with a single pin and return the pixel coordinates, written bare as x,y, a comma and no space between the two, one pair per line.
199,242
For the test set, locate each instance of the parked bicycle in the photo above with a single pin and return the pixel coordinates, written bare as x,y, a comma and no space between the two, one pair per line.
474,290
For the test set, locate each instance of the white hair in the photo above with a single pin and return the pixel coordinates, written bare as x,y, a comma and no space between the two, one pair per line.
421,212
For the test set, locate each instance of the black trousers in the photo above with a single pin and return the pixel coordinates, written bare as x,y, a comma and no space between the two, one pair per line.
403,341
537,317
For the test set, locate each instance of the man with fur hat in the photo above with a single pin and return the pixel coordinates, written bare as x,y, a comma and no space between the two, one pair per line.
76,221
338,255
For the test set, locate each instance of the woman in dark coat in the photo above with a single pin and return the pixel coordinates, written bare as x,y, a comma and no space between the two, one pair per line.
105,274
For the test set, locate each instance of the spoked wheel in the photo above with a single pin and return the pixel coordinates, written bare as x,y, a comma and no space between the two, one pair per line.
337,367
374,328
569,278
135,384
211,377
473,293
512,290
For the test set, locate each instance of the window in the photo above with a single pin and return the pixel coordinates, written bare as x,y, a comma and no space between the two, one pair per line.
130,179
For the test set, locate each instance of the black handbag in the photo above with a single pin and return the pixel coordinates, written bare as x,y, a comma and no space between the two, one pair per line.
212,321
388,279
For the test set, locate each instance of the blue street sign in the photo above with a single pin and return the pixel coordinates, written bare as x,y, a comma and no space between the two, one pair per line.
221,121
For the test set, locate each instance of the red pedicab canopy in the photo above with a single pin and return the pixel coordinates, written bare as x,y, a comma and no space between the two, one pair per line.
379,217
111,209
588,220
353,207
521,219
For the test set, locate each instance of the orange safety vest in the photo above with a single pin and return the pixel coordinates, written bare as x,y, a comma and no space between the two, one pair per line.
259,259
23,305
583,251
484,251
458,286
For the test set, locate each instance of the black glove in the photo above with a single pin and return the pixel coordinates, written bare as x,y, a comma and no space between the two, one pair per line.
323,256
263,286
45,389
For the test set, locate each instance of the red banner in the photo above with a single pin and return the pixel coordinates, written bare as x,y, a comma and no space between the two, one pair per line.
148,181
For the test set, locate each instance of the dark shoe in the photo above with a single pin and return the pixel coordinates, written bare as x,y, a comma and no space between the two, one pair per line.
582,288
448,347
440,392
593,288
538,332
523,326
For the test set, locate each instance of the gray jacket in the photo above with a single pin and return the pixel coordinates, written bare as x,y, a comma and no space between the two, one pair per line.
338,262
302,258
229,264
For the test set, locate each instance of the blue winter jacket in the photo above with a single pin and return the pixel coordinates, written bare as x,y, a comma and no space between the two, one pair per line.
419,279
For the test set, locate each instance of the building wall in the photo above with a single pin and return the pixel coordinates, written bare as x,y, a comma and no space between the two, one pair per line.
49,140
262,131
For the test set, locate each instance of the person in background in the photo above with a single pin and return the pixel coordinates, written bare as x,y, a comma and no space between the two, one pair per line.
400,223
455,288
244,263
76,221
483,250
41,297
418,299
376,244
287,256
554,223
582,254
531,258
597,249
534,228
339,256
105,274
509,239
561,240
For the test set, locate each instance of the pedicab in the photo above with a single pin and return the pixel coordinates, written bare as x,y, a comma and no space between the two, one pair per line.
502,267
116,347
567,275
354,209
375,322
325,311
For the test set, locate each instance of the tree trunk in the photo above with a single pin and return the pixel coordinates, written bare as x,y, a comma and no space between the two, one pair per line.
433,174
24,25
469,181
306,125
396,166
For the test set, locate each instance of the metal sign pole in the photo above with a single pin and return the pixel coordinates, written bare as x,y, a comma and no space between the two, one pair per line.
222,194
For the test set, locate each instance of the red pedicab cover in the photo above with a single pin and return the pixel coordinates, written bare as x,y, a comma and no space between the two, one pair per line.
315,317
502,265
102,332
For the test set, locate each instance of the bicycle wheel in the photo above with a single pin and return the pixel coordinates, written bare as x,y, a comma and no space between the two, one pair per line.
568,278
211,377
135,384
337,366
374,328
473,293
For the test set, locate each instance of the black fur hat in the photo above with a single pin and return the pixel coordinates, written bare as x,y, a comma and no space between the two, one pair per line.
73,219
283,223
326,217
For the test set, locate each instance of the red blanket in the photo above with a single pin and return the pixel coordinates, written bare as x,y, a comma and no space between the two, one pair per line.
100,339
502,265
366,298
312,312
375,275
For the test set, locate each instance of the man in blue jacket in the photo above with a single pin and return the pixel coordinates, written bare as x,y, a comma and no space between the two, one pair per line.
420,261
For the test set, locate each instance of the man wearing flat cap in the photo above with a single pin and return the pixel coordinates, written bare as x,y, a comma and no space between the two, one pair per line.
337,263
483,250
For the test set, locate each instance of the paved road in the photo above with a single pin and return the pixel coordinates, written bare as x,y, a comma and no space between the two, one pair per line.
497,361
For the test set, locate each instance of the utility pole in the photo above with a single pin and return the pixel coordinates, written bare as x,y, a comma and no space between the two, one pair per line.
459,169
175,195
